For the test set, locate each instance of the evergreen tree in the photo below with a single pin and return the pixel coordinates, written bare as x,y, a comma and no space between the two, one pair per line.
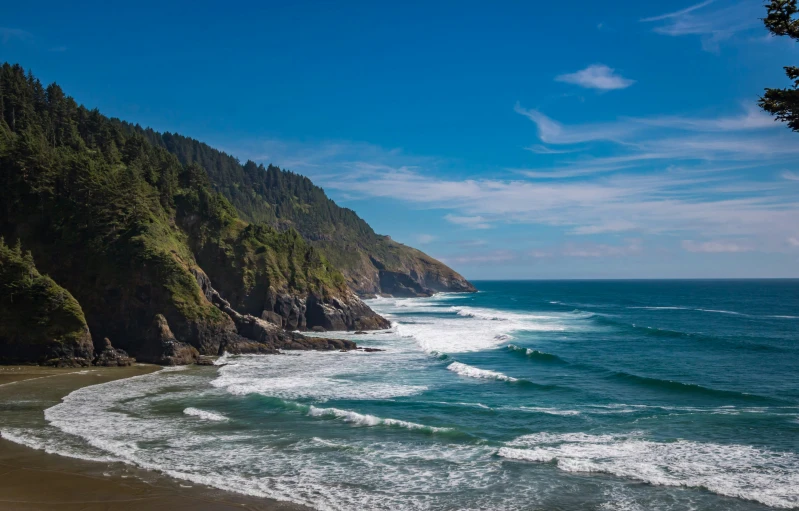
783,103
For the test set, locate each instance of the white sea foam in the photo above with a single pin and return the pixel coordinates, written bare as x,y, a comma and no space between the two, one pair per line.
316,375
370,420
474,372
205,415
55,444
550,411
473,329
661,308
722,312
340,478
771,478
462,328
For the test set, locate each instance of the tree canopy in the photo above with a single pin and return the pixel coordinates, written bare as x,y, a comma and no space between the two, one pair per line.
783,104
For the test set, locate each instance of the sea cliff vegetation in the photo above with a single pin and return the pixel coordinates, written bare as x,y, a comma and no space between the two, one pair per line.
171,249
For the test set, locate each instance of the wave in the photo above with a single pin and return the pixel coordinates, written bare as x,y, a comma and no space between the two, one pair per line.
205,415
677,334
371,420
57,446
679,387
722,312
745,472
719,311
535,354
548,411
474,372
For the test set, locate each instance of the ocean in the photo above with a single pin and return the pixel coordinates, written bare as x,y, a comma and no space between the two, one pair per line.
529,395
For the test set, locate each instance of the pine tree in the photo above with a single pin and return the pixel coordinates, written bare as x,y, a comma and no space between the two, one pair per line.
783,103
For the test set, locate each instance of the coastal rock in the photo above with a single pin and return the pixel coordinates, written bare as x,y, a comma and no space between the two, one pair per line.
40,321
111,357
399,270
162,347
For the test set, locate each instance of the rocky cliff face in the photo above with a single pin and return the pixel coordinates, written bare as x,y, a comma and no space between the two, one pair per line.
39,320
372,264
386,267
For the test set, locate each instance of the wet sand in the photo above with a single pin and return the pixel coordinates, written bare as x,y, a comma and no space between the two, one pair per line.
31,479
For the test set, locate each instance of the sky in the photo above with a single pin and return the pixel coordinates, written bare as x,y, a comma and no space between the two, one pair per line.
511,140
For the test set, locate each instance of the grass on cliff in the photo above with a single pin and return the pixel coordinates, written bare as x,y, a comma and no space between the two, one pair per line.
33,308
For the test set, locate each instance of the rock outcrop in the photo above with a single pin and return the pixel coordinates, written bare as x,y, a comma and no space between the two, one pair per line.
382,266
40,321
111,357
162,347
343,312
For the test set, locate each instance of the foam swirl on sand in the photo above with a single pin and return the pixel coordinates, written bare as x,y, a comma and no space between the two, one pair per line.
474,372
771,478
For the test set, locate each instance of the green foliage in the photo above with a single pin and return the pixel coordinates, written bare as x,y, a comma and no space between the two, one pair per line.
115,217
33,308
783,103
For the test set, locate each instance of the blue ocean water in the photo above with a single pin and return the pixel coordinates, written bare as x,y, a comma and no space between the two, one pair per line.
650,395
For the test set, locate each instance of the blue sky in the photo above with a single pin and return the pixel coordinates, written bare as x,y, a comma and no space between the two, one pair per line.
587,139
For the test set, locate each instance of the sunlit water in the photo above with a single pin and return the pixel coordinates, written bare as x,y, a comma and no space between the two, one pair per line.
527,395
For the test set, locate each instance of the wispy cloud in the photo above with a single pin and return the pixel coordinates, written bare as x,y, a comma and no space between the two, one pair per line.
714,21
602,249
687,179
680,13
424,239
471,222
743,138
610,226
596,76
553,132
8,34
496,256
715,246
541,149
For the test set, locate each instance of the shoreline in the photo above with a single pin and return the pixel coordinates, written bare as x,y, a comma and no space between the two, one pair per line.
33,479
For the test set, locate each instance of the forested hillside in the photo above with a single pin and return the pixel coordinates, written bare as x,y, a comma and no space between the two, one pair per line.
142,241
371,263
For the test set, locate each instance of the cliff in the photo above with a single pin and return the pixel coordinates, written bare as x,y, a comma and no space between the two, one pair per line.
54,330
136,238
371,263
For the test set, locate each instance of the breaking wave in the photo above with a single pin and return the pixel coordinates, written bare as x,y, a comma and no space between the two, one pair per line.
768,477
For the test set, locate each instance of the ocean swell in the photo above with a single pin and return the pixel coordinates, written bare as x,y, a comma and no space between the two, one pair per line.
771,478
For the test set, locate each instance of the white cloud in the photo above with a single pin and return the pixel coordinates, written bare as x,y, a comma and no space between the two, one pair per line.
713,21
472,222
715,246
611,226
753,119
553,132
602,250
7,34
707,201
680,13
541,149
496,256
596,76
680,177
424,239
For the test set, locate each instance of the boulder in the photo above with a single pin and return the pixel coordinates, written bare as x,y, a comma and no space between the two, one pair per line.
111,357
161,346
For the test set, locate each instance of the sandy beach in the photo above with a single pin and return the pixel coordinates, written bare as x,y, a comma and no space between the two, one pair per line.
32,479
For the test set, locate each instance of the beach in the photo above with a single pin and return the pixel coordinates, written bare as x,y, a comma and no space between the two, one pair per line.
32,479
